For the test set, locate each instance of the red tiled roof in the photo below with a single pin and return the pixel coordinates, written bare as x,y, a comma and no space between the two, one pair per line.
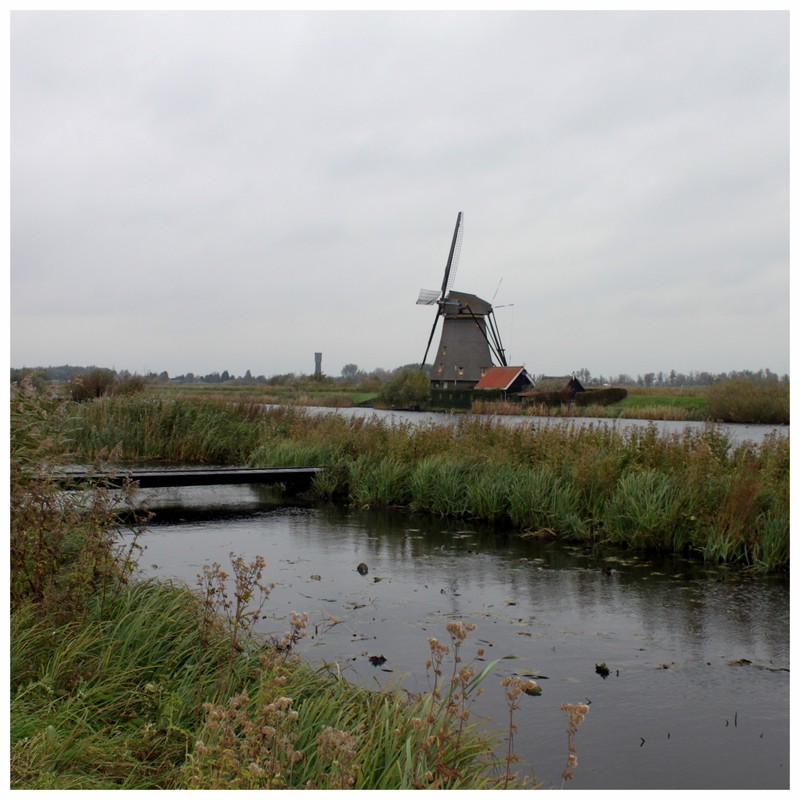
498,377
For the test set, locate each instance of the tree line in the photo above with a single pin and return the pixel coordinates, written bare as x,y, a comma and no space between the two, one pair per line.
677,379
373,380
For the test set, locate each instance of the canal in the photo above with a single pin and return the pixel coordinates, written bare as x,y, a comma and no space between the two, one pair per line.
685,669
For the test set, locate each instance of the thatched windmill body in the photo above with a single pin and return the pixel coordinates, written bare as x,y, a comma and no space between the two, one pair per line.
470,341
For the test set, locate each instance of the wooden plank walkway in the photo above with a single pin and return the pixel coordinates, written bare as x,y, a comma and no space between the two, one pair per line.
298,477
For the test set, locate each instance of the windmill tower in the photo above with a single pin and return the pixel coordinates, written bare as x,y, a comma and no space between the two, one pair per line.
470,342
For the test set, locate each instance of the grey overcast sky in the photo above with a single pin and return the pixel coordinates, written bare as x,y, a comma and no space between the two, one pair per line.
206,191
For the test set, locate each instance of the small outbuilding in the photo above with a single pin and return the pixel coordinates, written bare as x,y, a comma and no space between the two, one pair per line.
506,380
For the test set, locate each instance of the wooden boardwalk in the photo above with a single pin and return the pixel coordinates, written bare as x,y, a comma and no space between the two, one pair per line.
297,477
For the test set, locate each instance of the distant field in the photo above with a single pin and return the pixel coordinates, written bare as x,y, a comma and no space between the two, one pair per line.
267,394
732,401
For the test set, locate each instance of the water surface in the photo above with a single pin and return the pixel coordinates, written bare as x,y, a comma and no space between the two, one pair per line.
697,691
738,433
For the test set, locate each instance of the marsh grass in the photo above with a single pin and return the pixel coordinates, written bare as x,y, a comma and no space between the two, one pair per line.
440,486
648,407
644,507
650,411
749,401
161,687
541,501
111,701
692,493
102,702
743,401
292,393
379,483
302,729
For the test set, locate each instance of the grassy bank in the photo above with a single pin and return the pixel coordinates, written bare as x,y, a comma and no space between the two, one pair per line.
693,493
141,692
122,683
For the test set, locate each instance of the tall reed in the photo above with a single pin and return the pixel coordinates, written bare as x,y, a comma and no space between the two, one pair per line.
749,401
691,492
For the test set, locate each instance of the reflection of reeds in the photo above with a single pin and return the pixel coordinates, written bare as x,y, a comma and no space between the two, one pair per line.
689,492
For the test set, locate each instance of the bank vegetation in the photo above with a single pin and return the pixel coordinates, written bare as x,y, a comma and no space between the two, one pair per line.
695,493
121,682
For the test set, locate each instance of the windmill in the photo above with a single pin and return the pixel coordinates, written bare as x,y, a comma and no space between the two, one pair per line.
470,342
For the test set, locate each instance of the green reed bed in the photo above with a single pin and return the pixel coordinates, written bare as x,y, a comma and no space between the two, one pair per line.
162,430
693,492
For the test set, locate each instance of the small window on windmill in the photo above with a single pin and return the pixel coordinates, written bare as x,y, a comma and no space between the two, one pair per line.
461,370
444,350
440,368
483,371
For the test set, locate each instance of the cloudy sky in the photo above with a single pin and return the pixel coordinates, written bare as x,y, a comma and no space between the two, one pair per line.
202,192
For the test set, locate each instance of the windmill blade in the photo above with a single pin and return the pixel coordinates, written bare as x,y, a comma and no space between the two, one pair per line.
452,259
497,344
430,338
427,297
496,291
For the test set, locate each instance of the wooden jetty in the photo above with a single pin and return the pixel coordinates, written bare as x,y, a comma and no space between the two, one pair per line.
297,477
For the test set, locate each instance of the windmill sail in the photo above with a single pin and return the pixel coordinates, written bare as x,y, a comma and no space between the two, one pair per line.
428,297
455,252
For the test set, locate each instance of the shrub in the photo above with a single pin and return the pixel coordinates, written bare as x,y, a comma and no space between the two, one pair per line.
62,548
103,383
93,384
408,389
555,398
601,397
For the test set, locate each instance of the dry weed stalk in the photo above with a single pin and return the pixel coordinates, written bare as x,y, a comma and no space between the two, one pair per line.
338,749
240,750
514,686
447,715
240,614
576,713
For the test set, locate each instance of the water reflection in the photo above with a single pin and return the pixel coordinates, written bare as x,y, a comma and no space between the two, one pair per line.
674,711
